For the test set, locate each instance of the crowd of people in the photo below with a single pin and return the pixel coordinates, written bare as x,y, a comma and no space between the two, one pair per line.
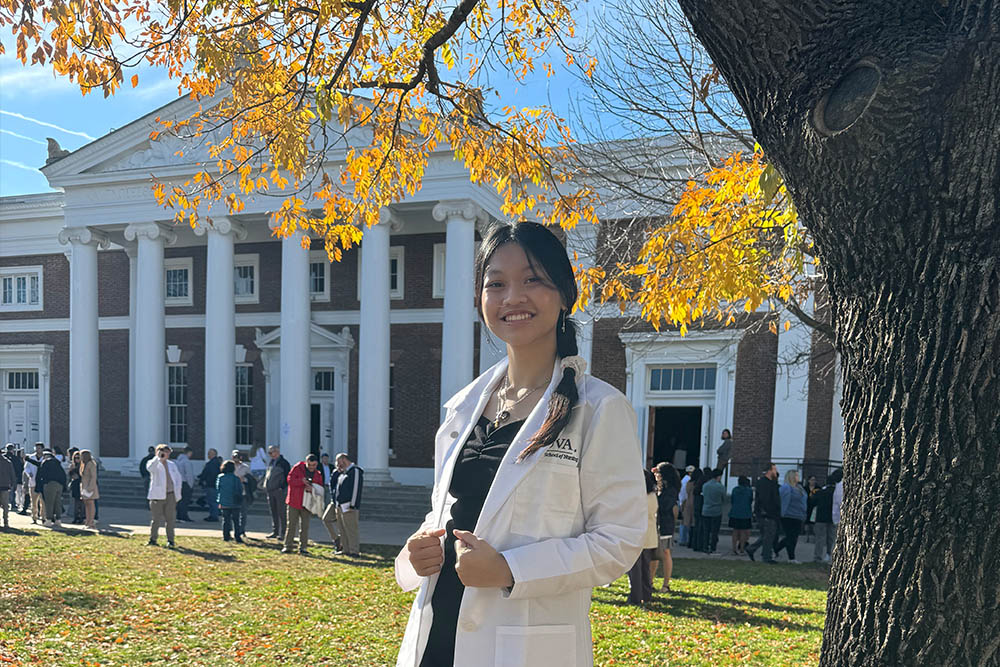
694,507
37,482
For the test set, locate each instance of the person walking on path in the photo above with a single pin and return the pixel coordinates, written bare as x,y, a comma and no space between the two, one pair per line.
793,513
89,493
6,484
276,488
542,462
821,508
51,482
348,499
164,490
300,480
768,511
640,580
682,529
143,471
666,518
206,478
186,469
229,489
715,496
740,511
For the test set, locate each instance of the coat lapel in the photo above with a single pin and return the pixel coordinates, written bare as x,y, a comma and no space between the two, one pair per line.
510,473
468,408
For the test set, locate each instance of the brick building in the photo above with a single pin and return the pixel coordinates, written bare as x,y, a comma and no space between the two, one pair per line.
118,329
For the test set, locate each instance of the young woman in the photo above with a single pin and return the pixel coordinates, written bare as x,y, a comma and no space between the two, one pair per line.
740,512
669,483
88,487
539,494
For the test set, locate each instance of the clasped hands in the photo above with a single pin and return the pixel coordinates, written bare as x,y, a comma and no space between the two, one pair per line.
477,563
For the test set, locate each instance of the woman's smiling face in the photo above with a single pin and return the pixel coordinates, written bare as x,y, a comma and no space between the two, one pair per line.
520,304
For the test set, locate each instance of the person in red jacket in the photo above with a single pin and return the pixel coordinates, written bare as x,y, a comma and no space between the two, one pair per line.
300,480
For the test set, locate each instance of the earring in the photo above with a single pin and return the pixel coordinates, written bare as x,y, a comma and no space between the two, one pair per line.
562,317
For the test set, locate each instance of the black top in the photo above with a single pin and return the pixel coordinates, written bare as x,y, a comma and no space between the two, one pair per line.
665,503
822,501
768,498
475,469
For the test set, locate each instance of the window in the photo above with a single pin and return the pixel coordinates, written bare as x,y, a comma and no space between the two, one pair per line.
21,288
437,289
177,274
246,277
323,380
22,380
395,273
319,285
177,388
686,378
244,405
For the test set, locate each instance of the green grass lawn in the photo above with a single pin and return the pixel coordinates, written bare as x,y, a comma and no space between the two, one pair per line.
82,599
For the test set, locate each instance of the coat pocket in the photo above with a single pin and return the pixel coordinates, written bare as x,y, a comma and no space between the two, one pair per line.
545,503
535,645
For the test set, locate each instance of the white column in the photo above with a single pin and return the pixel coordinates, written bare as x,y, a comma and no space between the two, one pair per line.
791,388
294,359
458,327
373,353
150,333
220,334
84,348
134,453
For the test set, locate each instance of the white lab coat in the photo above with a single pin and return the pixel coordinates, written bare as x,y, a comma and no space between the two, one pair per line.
158,479
567,519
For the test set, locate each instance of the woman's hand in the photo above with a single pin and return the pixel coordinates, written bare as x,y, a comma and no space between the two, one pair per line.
426,554
478,564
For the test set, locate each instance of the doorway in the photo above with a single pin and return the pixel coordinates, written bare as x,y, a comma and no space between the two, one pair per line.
22,423
314,414
675,436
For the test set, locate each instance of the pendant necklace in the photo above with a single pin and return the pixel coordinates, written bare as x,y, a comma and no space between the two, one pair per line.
503,413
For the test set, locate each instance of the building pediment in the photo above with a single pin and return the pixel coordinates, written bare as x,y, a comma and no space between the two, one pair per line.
319,337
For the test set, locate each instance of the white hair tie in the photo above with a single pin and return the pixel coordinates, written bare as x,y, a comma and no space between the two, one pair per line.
576,362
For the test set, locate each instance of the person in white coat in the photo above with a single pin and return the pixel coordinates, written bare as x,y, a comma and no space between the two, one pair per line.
538,495
164,492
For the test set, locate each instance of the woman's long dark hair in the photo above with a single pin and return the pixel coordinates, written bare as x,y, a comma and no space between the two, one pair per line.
669,476
547,256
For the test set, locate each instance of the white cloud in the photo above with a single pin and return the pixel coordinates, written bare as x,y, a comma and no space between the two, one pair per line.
44,124
21,136
19,165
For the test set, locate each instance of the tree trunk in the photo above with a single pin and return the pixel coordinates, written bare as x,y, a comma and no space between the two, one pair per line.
884,118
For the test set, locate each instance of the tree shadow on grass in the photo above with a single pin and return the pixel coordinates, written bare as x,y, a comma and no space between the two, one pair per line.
52,604
782,575
767,606
19,531
206,555
731,614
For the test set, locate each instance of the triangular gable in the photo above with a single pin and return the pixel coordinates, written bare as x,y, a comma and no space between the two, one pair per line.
319,337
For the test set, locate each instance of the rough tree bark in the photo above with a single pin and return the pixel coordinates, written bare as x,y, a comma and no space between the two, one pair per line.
884,118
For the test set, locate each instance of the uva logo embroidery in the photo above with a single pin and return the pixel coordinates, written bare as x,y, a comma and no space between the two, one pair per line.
563,449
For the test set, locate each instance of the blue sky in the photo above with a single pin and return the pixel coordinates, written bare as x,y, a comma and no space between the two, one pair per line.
35,104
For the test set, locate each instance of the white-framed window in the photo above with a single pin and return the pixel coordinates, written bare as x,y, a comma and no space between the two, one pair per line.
437,289
244,404
21,380
682,378
20,288
324,380
319,275
395,273
246,278
177,399
178,274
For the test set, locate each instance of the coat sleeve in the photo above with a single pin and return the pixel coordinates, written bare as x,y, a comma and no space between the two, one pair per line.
613,494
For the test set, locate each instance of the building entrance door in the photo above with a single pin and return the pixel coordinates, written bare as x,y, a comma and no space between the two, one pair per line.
676,435
21,420
321,428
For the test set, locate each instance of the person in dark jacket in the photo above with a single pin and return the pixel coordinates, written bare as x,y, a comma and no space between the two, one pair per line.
143,472
276,487
229,490
6,484
18,465
348,499
768,511
51,483
821,503
740,512
669,483
206,478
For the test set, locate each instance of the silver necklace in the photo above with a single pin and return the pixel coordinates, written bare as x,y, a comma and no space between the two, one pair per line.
503,412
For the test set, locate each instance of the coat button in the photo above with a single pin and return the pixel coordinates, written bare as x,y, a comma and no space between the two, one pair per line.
454,434
469,626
